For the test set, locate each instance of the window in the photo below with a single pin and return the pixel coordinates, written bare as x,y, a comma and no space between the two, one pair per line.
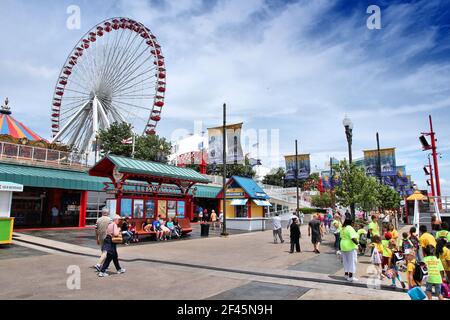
95,203
138,211
180,209
125,207
241,211
149,209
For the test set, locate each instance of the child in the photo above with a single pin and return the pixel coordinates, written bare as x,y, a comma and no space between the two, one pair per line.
435,273
134,236
410,267
387,253
414,239
406,243
395,261
376,257
362,237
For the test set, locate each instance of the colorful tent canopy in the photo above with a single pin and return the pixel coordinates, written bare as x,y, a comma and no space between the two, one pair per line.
14,128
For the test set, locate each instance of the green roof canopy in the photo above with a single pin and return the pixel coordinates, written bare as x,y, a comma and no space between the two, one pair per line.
50,178
106,166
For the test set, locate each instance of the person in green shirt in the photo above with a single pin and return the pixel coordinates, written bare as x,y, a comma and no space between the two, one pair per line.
349,244
443,233
374,228
435,273
336,227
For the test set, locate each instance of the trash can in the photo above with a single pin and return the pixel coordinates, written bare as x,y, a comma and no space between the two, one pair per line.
204,229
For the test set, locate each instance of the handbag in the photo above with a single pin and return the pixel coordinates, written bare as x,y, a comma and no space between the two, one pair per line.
117,239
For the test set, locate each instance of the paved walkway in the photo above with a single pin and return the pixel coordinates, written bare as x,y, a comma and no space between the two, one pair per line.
241,266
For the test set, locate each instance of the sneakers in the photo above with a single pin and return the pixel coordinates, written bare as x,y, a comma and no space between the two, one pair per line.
103,274
121,271
98,267
403,284
282,241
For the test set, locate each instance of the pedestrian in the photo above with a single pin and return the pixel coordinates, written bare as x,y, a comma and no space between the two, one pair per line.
435,273
295,235
425,238
415,241
435,223
205,215
443,253
276,226
100,233
443,233
376,257
200,214
362,239
349,245
294,215
110,247
348,215
55,215
220,220
373,228
316,232
126,233
213,219
336,227
410,257
301,216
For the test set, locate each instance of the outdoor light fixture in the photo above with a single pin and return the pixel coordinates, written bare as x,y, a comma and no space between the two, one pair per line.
428,182
424,142
426,169
347,123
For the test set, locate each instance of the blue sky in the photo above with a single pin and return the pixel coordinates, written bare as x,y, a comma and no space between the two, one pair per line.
293,66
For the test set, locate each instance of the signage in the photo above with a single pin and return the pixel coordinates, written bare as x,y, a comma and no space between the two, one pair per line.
387,159
234,150
12,187
304,166
235,194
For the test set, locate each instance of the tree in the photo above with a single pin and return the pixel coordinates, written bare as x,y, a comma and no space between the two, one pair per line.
275,177
110,139
243,170
323,200
368,198
152,148
388,197
147,147
352,180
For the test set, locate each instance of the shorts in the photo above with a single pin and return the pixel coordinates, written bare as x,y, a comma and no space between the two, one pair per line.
316,238
384,261
437,288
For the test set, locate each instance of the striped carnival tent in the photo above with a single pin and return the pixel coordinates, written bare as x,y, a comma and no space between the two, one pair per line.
14,128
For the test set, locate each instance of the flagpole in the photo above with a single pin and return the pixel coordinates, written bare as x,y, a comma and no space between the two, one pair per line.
132,148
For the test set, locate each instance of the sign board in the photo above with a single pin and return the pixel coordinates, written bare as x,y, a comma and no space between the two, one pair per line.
11,187
387,160
304,166
234,150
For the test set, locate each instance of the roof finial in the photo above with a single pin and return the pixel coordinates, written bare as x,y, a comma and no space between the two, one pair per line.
5,108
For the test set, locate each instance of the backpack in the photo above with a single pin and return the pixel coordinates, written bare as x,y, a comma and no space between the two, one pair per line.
397,256
415,242
445,290
407,244
420,272
363,238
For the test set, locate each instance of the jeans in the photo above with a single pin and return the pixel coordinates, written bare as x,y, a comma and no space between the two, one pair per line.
279,234
111,256
437,288
127,235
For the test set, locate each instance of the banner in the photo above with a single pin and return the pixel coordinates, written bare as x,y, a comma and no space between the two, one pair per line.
234,150
304,166
326,180
387,159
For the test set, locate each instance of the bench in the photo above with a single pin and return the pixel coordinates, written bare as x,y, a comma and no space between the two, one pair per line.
184,223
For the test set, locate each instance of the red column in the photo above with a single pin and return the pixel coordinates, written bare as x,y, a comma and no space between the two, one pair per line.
436,169
83,205
433,193
249,206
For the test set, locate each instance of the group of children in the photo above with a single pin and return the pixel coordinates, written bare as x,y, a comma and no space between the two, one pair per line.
425,259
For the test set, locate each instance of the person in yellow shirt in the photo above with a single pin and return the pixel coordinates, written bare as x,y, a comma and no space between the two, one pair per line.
426,238
443,253
386,252
410,257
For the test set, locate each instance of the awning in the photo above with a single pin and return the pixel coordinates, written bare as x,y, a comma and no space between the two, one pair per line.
238,202
262,203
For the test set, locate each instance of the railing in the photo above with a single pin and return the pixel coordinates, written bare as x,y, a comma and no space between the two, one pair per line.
23,153
443,205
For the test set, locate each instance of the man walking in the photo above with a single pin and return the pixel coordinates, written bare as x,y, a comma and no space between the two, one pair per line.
276,224
100,232
295,235
316,232
213,219
55,214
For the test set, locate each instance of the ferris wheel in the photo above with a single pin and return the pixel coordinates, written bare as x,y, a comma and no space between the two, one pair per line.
115,73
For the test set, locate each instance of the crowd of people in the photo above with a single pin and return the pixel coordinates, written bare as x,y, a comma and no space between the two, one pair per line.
422,258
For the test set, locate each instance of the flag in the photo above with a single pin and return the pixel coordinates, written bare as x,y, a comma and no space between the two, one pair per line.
127,141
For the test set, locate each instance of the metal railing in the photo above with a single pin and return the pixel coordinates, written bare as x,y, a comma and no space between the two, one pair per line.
443,205
23,153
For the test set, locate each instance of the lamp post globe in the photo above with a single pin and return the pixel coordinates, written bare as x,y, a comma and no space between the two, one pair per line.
347,123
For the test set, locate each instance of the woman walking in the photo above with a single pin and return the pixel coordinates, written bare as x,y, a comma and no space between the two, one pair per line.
349,245
110,247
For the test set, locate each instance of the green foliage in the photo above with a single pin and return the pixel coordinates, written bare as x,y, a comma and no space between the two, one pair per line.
356,188
388,197
324,200
275,177
242,170
110,140
152,148
312,210
147,147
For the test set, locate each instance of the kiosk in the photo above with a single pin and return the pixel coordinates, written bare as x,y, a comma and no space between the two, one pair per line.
6,222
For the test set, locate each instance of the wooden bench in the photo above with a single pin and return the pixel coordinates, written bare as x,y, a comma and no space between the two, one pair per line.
184,223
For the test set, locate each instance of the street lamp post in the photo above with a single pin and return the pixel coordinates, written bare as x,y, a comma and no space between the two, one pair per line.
348,125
